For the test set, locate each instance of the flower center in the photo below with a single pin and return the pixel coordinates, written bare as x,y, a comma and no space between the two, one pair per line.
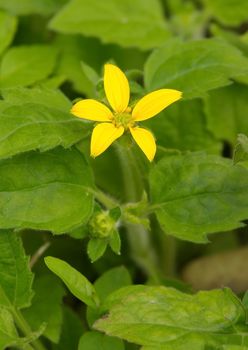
123,119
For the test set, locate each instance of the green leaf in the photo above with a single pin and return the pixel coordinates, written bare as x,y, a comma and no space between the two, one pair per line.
127,23
38,95
26,7
72,329
90,73
72,49
52,83
198,194
33,126
96,248
8,333
225,109
241,149
46,307
194,67
25,65
8,24
106,284
115,242
96,340
228,12
166,319
74,280
183,127
233,347
111,281
45,191
15,275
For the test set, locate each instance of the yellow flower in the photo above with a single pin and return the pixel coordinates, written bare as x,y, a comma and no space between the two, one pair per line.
122,118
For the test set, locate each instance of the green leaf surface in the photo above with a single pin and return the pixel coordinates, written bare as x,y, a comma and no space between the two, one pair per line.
226,109
106,284
72,329
115,242
127,23
31,126
45,191
8,24
194,67
96,248
38,95
229,12
166,319
241,149
111,281
183,126
96,341
15,275
198,194
25,65
26,7
8,333
233,347
53,82
46,307
73,48
74,280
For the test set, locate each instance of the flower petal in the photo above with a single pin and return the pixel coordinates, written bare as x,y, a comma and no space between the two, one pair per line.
103,136
145,140
116,88
92,110
155,102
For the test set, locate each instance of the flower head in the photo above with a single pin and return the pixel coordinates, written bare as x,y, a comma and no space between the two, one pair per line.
113,123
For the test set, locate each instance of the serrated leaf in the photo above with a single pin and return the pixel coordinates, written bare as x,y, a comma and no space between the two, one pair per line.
228,12
198,194
32,126
127,23
38,95
225,110
166,319
45,191
96,340
96,248
26,7
46,307
194,67
74,280
183,127
8,24
15,275
25,65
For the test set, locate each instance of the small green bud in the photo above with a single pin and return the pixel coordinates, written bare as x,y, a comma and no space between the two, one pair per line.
101,225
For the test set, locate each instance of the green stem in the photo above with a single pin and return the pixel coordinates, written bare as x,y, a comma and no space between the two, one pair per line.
169,254
142,250
106,200
26,330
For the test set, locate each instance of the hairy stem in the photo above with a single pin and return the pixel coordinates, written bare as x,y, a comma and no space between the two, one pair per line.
26,330
142,250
